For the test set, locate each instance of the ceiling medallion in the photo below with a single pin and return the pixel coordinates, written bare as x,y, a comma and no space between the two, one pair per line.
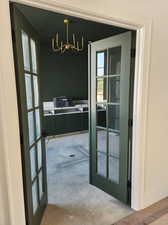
58,46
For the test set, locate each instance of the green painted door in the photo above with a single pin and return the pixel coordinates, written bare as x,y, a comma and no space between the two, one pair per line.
26,52
109,114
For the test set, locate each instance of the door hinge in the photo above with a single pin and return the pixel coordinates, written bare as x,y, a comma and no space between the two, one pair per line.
21,138
130,122
13,36
129,184
133,53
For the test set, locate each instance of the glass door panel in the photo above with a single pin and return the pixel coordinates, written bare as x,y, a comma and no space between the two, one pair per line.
100,67
38,123
101,116
101,163
26,50
114,142
35,196
114,89
114,60
101,88
31,127
36,91
33,56
114,169
33,162
40,184
101,151
101,137
114,117
39,154
28,84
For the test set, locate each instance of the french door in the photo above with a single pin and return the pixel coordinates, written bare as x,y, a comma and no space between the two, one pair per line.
109,114
26,52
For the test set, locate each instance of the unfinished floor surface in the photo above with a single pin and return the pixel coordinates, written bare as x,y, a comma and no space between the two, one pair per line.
72,200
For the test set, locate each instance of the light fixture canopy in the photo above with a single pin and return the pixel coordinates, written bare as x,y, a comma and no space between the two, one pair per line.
62,47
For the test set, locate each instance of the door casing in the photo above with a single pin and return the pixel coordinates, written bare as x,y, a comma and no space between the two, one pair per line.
10,131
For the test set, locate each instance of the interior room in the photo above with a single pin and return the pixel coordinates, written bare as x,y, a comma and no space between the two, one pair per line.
23,196
64,92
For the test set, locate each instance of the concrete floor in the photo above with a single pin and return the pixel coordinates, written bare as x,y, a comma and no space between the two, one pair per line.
72,200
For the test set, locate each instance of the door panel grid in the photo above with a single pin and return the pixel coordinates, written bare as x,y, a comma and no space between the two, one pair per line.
110,67
34,122
33,116
26,50
108,91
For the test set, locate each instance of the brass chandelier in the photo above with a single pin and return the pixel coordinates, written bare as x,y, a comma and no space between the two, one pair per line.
58,46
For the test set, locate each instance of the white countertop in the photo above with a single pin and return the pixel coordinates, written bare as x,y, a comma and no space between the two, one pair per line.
54,109
78,108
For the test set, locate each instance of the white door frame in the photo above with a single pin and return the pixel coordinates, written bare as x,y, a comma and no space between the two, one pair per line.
11,189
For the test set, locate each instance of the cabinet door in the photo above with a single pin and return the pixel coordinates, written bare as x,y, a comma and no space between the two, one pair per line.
49,125
74,122
85,121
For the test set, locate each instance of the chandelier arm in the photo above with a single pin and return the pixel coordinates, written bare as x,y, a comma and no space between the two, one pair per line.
74,41
57,50
80,50
53,45
63,49
57,39
61,46
77,46
67,30
82,42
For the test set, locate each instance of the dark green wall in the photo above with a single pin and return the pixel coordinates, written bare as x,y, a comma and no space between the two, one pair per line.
63,74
